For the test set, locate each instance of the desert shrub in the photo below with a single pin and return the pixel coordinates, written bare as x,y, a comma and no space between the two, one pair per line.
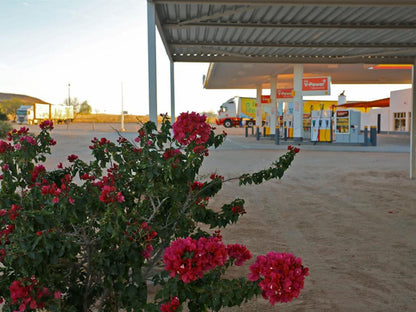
5,128
97,234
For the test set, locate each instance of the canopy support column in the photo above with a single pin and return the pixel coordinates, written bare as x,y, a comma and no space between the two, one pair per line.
151,57
273,114
172,92
297,102
259,118
413,126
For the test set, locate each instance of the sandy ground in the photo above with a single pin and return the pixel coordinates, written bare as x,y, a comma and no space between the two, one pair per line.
351,217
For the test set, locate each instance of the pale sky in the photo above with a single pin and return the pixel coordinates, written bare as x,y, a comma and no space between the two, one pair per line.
98,45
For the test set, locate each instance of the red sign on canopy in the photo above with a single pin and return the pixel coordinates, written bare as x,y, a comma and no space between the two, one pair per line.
315,84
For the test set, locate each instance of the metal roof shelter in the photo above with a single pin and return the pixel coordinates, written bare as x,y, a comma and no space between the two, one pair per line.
284,32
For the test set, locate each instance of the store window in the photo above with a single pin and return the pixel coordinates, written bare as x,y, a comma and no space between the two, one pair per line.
399,121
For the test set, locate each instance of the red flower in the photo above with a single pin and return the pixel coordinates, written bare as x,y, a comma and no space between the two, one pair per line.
171,153
72,158
28,292
238,252
191,127
13,212
37,172
196,185
46,125
293,148
190,258
109,194
200,149
143,231
170,306
5,147
238,210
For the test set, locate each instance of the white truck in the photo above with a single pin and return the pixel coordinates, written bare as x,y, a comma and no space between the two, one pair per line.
39,112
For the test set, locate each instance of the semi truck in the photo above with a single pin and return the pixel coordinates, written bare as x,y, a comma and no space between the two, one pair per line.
39,112
237,111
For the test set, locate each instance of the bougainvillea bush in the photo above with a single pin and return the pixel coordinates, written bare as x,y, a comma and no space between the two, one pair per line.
95,236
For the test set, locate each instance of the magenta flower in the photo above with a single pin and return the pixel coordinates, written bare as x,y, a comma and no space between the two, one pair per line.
280,276
191,127
189,258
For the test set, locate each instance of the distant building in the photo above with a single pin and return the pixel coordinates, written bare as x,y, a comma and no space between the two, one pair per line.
396,117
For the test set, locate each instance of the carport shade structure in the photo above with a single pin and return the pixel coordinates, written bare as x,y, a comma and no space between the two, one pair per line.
367,104
285,32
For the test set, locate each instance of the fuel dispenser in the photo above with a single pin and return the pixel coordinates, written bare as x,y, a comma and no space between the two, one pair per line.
347,126
321,126
288,124
267,111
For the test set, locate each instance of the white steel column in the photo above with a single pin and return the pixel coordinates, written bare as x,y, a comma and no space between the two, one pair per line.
297,102
172,92
273,114
413,126
259,114
151,58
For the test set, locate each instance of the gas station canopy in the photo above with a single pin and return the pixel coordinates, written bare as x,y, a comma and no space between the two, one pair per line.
296,31
251,75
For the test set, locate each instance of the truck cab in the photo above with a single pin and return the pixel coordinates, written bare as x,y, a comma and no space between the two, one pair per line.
227,114
21,114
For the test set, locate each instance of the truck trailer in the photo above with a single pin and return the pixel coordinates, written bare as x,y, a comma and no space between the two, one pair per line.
238,111
39,112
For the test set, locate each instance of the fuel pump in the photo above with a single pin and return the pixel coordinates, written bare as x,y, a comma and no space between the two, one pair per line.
288,124
321,126
267,111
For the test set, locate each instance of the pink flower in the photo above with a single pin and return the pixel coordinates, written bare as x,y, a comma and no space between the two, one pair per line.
5,167
71,200
191,127
280,276
57,295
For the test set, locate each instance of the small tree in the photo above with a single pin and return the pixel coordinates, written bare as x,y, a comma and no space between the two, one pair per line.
79,108
9,107
84,108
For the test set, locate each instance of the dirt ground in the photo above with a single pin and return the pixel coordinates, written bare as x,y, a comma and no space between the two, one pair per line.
350,216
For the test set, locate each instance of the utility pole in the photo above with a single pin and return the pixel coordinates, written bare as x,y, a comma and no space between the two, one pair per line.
69,94
122,109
